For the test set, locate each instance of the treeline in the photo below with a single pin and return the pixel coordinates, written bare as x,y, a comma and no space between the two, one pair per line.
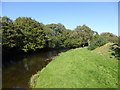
26,34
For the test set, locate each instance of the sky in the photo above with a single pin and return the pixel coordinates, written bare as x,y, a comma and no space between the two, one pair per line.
60,0
99,16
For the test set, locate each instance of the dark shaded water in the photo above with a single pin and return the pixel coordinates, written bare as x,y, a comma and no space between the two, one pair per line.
18,71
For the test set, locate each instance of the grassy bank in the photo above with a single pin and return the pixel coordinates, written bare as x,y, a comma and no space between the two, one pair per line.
79,68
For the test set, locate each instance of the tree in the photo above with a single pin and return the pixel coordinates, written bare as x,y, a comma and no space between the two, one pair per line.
0,32
86,33
111,37
50,38
10,34
32,31
54,34
97,42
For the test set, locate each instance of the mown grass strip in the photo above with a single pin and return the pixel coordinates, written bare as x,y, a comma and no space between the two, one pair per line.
79,68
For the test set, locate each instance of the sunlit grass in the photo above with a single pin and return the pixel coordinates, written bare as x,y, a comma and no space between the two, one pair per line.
79,68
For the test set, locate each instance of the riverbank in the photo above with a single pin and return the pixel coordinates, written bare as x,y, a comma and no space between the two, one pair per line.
21,68
79,68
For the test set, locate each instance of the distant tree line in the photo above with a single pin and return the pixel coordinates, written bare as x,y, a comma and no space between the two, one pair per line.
26,34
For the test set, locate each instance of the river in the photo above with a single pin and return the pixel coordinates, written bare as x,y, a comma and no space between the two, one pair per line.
18,71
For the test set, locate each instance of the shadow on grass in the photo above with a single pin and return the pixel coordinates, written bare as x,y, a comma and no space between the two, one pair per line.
116,49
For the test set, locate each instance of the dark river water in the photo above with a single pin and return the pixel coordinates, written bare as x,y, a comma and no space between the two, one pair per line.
18,71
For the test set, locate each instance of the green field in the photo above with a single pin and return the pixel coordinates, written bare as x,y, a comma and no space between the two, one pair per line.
79,68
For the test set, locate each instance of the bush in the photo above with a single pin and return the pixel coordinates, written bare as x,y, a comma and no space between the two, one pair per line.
97,42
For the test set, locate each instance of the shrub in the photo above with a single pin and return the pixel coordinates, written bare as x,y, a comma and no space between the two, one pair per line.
97,42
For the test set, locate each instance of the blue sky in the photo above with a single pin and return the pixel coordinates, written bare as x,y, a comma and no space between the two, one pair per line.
99,16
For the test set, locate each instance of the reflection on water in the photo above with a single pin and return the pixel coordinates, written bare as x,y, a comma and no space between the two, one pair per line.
17,73
25,64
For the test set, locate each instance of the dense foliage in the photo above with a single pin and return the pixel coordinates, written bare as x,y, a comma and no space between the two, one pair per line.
110,37
32,33
26,34
97,42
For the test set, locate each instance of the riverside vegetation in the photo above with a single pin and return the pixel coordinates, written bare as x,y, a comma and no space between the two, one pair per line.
75,68
25,34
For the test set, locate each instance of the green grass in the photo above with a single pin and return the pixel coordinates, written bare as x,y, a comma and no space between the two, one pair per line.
79,68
